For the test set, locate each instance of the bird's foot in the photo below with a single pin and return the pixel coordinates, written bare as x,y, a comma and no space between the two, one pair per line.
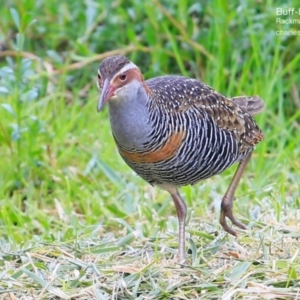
226,212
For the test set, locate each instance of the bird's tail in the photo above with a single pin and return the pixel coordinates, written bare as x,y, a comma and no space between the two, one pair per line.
253,105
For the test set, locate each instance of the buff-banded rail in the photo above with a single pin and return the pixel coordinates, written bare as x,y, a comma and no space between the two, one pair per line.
175,131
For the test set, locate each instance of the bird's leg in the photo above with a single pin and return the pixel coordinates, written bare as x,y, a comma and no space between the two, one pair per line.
181,214
227,201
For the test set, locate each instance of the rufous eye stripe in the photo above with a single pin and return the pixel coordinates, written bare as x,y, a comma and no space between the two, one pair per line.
127,67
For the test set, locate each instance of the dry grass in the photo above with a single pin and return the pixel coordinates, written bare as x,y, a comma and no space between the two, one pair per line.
262,263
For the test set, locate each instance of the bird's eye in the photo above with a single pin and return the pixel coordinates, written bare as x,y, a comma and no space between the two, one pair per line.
123,77
99,82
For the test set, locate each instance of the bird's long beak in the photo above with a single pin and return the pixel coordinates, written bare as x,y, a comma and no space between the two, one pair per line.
107,93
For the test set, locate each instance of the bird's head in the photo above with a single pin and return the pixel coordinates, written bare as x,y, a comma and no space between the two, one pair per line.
117,76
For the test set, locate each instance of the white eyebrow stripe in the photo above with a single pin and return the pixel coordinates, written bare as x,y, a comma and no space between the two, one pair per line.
127,67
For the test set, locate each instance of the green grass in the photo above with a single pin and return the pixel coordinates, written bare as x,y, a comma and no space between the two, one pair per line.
75,221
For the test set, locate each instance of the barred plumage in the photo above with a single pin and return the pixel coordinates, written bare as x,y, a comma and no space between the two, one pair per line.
175,131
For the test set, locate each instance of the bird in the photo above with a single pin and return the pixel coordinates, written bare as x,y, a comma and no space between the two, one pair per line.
175,131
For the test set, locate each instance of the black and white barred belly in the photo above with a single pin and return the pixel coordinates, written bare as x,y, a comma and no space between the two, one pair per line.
205,150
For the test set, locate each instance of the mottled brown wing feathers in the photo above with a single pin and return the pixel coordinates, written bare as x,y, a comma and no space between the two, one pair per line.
230,116
223,111
179,94
253,105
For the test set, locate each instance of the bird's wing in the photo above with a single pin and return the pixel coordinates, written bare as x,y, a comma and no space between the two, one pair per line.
179,94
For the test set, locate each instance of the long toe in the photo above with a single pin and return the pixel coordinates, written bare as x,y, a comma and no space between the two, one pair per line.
226,212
